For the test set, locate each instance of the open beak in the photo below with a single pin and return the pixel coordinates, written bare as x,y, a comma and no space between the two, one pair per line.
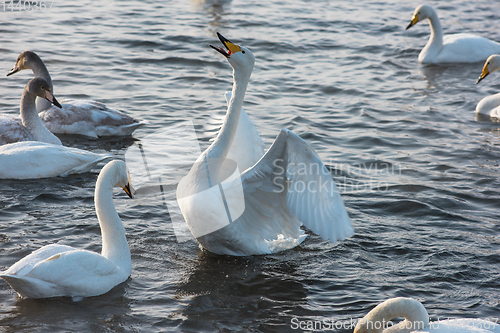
52,99
231,47
13,71
414,20
484,74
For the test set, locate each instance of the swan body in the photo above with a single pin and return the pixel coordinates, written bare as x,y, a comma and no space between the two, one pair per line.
84,117
59,270
33,159
417,320
489,105
244,207
457,48
29,127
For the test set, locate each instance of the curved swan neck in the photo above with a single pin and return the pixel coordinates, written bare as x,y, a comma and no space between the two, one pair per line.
435,43
224,140
416,317
32,122
114,241
40,70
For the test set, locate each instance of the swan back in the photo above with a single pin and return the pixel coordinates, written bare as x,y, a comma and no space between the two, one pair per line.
416,317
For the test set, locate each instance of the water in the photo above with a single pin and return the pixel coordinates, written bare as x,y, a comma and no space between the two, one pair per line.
417,171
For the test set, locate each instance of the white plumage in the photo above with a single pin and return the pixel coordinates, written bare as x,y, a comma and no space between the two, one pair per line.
490,105
417,320
33,159
262,210
60,270
457,48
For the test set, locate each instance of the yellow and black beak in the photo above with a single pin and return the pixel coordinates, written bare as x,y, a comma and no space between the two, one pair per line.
484,74
13,70
231,47
129,189
414,20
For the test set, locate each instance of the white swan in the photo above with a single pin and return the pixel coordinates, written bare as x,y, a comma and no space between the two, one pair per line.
29,127
83,117
59,270
490,105
261,210
458,48
33,159
417,320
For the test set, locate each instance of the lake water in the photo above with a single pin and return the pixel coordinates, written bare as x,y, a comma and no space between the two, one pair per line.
418,173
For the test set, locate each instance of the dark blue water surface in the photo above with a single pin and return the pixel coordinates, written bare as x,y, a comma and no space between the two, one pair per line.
418,173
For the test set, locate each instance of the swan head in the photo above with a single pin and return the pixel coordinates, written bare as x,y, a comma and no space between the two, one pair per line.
239,57
25,60
416,317
491,65
116,173
421,13
40,88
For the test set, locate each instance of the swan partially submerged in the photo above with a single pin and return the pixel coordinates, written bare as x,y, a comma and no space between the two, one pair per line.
29,127
59,270
457,48
33,160
490,105
246,207
82,117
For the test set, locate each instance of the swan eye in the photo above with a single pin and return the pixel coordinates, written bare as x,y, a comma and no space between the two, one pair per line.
243,52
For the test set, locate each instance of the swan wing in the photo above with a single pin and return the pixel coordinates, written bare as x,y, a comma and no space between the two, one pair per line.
70,273
247,147
88,118
467,48
12,130
32,159
26,264
292,170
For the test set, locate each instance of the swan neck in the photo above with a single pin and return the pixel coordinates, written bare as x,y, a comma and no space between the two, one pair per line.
32,122
435,43
224,140
40,70
114,241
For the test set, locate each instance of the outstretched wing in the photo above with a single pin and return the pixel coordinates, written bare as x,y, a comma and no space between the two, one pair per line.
290,178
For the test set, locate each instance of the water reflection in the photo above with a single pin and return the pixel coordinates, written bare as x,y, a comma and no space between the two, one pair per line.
215,10
105,312
242,289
